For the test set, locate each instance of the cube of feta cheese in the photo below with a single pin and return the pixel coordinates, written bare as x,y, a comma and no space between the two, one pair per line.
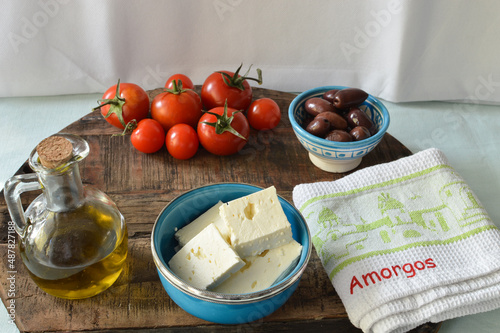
206,260
262,271
185,234
256,222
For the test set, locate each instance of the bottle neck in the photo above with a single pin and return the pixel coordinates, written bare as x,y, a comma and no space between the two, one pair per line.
63,190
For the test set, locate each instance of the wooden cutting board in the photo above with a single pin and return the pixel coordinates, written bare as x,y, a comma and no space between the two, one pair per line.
141,185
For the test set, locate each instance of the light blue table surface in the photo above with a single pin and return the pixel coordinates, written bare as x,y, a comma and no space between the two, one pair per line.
467,133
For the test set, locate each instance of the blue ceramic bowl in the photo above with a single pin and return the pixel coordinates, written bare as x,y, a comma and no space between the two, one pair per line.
212,306
335,156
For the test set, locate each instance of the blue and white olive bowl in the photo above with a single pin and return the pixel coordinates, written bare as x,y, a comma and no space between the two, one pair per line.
335,156
212,306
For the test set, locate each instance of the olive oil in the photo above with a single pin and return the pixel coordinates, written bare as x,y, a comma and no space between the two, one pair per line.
79,253
73,238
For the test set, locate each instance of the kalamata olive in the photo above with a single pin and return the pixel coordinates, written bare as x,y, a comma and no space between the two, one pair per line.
318,127
360,133
316,105
337,121
356,117
328,95
349,97
339,135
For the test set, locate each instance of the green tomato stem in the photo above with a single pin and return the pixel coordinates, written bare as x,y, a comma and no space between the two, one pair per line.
129,128
223,123
177,88
115,105
236,81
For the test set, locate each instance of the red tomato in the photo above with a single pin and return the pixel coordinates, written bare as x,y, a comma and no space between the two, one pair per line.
148,136
264,114
186,81
223,86
178,106
182,141
122,103
223,131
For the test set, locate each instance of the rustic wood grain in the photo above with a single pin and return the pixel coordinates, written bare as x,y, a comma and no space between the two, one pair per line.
141,185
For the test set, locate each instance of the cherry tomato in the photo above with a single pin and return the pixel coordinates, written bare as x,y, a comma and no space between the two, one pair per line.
223,86
176,106
148,136
223,131
182,141
123,103
186,81
264,114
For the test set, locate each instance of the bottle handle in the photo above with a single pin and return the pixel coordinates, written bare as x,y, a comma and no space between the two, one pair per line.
13,189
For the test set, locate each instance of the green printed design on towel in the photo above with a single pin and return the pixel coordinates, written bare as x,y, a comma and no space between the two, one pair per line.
393,216
392,181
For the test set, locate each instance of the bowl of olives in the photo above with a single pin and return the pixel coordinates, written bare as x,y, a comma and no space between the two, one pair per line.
338,125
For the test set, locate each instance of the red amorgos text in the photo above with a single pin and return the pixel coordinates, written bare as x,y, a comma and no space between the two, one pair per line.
409,270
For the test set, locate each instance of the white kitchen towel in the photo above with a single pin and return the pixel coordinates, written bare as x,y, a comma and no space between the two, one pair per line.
404,243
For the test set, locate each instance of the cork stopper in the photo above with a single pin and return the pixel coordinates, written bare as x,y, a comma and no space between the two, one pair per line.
54,151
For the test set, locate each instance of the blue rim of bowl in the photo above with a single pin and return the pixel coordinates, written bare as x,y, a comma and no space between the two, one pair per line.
221,298
315,92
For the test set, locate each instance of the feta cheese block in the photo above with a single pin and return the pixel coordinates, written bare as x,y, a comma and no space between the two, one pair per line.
263,270
206,260
256,222
186,233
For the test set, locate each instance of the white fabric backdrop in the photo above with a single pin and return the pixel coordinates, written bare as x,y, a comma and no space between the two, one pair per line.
400,50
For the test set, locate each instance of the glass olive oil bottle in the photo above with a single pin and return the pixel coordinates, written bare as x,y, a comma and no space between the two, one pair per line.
73,238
